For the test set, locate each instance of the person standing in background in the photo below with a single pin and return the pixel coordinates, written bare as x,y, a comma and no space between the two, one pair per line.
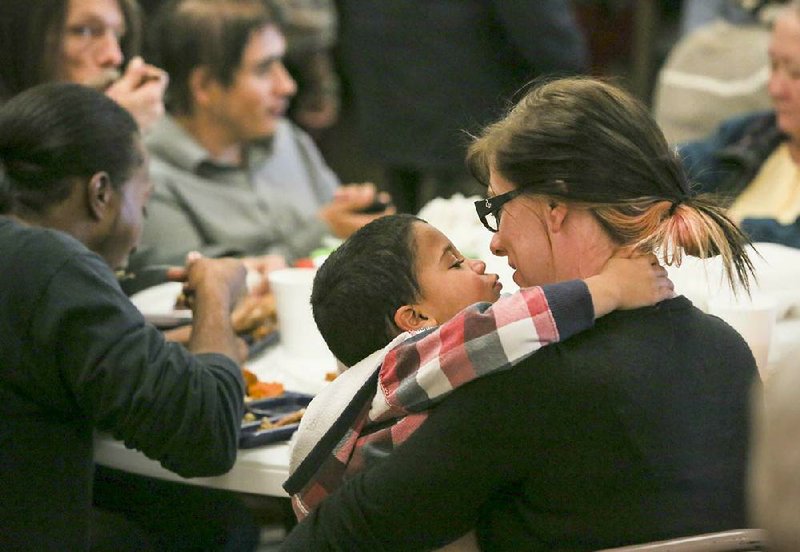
421,72
91,42
311,31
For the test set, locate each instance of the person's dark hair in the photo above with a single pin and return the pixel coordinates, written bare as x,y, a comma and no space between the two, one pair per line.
31,33
360,286
188,34
589,143
52,134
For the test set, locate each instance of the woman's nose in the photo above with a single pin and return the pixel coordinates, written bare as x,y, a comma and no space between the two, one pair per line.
495,246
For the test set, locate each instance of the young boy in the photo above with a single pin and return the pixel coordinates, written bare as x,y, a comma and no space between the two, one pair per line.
393,302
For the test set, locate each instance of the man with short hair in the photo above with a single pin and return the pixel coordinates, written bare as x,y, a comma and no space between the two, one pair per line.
233,176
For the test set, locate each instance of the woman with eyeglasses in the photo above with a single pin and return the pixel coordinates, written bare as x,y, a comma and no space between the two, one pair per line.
634,431
91,42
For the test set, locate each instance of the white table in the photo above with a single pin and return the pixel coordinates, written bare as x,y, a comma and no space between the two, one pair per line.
259,470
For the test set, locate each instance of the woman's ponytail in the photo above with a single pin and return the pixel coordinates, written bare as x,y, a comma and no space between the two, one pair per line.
699,226
689,224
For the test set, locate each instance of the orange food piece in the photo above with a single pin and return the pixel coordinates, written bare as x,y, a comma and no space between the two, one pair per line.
249,377
263,389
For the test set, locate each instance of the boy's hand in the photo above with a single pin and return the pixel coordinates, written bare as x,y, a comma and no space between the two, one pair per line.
629,282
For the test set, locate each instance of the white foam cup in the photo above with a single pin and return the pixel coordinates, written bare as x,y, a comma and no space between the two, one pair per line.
754,319
298,333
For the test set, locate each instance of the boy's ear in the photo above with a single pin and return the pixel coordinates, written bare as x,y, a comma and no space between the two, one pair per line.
99,195
409,318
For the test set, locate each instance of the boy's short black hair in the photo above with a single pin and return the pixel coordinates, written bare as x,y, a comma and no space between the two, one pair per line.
358,289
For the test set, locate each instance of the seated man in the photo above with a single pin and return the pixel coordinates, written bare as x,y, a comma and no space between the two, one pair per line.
76,355
232,176
381,296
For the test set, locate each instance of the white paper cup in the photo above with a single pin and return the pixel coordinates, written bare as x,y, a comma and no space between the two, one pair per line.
754,319
298,331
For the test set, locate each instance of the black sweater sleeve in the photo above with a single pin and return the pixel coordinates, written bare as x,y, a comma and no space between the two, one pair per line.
181,409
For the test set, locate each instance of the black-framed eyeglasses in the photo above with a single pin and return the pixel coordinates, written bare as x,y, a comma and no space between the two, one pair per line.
489,209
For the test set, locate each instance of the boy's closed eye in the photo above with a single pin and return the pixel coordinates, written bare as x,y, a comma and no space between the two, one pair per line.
458,262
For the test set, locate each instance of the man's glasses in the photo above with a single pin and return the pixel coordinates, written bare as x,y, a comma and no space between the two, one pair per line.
489,209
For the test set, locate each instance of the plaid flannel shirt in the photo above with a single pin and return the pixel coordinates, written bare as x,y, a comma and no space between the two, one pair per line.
426,367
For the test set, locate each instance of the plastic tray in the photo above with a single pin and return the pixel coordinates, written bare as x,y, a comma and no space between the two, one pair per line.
273,408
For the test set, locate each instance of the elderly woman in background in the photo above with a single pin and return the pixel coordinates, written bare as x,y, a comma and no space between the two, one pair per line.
87,42
636,430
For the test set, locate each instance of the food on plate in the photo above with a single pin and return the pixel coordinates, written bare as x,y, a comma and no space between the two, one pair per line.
285,420
291,418
249,377
264,390
266,423
288,419
254,316
260,389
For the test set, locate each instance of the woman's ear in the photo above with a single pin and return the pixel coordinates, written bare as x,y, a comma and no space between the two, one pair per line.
556,214
410,318
99,195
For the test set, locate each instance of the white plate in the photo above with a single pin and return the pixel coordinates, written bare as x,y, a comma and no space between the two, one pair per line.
157,304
